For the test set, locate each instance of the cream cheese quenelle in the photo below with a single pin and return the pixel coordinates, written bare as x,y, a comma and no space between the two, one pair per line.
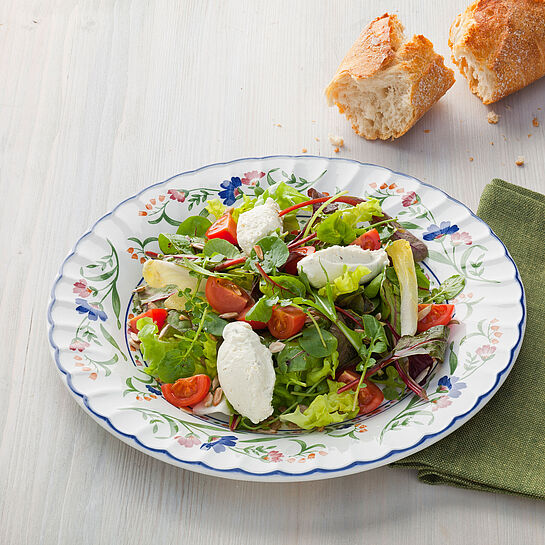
245,371
257,223
328,264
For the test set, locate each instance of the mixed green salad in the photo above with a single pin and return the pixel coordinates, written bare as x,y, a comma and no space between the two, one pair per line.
290,310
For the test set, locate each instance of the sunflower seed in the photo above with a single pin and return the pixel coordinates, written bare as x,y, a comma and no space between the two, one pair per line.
229,315
208,400
215,382
218,394
258,252
276,347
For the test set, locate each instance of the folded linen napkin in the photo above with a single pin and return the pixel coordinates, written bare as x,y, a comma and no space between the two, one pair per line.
501,449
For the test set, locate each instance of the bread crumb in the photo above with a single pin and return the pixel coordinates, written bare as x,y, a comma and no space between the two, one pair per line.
337,141
529,135
491,143
304,150
520,161
492,117
279,125
471,159
336,150
535,122
507,107
317,139
427,131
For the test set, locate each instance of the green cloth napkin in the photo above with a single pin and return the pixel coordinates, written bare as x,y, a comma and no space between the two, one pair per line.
502,448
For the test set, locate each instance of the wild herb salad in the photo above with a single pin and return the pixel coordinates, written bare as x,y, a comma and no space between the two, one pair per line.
290,310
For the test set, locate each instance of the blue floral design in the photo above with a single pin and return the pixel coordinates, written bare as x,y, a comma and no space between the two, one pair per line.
153,390
220,443
229,187
453,385
437,231
85,308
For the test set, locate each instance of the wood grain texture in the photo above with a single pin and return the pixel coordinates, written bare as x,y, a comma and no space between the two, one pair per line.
100,99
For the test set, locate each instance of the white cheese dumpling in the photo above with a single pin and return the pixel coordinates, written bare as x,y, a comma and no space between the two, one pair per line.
257,223
245,372
333,259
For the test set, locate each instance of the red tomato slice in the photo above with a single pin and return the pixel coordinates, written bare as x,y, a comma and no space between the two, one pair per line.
437,315
187,391
225,296
286,322
369,397
369,240
253,323
295,256
225,228
158,315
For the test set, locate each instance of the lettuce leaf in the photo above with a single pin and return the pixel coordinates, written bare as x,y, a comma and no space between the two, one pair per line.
325,409
348,282
284,195
340,227
216,208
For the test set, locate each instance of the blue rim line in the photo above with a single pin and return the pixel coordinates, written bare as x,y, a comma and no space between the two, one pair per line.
426,438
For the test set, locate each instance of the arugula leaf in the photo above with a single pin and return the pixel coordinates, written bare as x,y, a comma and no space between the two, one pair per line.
275,254
262,310
175,244
178,366
213,324
393,385
340,227
449,289
311,342
294,287
375,335
195,226
220,246
347,282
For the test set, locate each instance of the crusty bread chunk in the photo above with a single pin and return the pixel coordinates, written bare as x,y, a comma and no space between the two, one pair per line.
499,46
385,84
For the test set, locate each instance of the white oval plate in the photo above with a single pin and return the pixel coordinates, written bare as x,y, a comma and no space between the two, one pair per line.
91,300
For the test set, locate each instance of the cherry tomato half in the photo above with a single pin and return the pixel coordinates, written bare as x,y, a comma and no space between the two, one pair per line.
186,392
225,228
253,323
369,397
437,315
295,256
286,322
368,241
158,315
225,296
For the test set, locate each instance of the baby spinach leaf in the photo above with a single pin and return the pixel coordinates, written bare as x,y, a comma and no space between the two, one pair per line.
175,365
175,244
220,246
294,359
194,226
311,342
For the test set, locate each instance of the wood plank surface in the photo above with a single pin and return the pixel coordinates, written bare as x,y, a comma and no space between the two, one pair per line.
100,98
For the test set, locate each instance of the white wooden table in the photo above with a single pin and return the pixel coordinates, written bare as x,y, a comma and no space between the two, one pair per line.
100,99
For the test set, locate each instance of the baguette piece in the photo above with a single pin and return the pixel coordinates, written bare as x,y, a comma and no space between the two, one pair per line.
385,84
499,46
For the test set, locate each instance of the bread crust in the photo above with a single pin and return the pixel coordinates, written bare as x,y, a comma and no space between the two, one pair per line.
379,47
506,39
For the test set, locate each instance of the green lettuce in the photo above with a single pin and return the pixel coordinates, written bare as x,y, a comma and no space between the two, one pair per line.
340,227
216,208
325,409
348,282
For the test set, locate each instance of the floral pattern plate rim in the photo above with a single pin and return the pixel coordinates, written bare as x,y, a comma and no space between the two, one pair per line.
91,300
